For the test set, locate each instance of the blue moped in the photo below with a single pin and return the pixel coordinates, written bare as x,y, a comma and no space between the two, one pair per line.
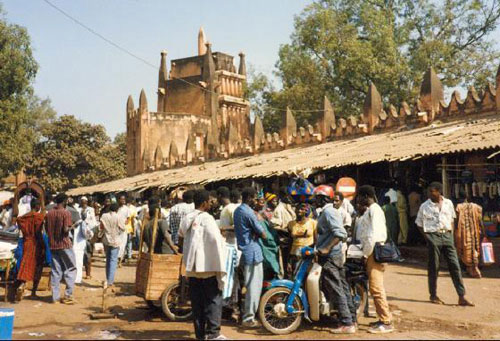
285,303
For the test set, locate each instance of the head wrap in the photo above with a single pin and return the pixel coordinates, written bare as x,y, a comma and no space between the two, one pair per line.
270,196
307,208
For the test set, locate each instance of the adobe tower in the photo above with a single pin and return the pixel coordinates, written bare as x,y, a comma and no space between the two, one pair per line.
201,113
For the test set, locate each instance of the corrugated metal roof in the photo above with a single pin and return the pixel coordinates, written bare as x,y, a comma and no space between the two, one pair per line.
458,136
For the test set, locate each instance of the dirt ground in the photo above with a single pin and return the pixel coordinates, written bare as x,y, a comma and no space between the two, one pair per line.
406,285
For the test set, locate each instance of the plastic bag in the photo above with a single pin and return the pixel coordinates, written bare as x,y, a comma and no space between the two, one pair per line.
487,252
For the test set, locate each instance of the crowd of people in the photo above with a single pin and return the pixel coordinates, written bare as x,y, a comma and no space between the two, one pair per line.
234,240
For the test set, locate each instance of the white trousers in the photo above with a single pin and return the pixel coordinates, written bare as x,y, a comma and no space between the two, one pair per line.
123,244
79,265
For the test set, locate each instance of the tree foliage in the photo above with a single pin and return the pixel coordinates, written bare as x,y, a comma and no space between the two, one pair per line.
17,72
339,46
61,153
73,153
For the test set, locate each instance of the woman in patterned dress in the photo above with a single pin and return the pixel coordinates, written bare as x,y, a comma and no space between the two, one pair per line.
33,258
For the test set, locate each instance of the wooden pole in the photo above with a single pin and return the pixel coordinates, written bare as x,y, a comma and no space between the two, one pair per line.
144,220
444,178
155,228
104,297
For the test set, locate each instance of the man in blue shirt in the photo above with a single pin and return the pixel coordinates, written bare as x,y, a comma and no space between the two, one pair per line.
331,234
248,230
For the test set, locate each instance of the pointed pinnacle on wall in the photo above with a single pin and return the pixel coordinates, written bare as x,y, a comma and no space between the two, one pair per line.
202,49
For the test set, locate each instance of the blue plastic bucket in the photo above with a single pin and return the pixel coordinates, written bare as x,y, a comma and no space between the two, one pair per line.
6,323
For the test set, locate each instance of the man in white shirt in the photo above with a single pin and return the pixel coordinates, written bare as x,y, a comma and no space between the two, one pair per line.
436,221
124,214
283,211
392,195
6,215
374,230
111,228
226,224
338,203
204,258
178,212
283,214
24,205
347,206
81,234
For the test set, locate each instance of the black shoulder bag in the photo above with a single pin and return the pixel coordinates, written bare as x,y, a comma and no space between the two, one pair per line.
386,252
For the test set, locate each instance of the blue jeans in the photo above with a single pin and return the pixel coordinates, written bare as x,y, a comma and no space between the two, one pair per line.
128,247
254,276
137,238
63,266
111,263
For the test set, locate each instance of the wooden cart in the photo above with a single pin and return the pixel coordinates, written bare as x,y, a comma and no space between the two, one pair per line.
159,278
27,187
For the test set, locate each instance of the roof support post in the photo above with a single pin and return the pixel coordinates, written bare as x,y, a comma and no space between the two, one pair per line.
444,178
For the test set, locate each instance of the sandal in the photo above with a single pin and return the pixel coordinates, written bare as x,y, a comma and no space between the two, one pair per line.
436,300
463,302
68,300
19,293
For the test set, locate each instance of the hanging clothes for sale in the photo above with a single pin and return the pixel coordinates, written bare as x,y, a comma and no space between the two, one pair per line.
467,236
468,190
456,189
475,189
483,188
467,177
492,189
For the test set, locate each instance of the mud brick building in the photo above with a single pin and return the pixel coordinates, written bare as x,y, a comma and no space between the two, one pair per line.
200,113
202,134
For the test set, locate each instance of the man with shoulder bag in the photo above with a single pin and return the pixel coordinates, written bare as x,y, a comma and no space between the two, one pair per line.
374,234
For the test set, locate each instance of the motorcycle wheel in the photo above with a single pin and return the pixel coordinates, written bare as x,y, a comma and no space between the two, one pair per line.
171,305
359,290
273,315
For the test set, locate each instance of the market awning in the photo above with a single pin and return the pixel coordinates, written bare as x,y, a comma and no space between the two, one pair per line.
464,135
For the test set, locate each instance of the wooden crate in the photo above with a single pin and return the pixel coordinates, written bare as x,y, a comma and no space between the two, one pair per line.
154,273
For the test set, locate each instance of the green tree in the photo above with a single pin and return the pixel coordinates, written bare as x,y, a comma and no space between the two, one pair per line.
73,153
120,143
257,91
17,72
40,114
339,46
116,153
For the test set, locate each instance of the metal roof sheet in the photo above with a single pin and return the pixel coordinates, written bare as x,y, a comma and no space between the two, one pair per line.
462,135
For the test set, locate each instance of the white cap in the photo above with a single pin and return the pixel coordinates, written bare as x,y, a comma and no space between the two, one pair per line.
84,198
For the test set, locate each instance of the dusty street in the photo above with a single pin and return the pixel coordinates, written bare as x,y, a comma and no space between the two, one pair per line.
406,287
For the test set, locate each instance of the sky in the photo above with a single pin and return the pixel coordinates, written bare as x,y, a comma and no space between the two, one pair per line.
89,78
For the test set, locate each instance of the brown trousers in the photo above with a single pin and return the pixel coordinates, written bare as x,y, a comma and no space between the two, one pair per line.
375,273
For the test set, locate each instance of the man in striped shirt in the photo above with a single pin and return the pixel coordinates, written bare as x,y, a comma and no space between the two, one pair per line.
58,224
178,212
